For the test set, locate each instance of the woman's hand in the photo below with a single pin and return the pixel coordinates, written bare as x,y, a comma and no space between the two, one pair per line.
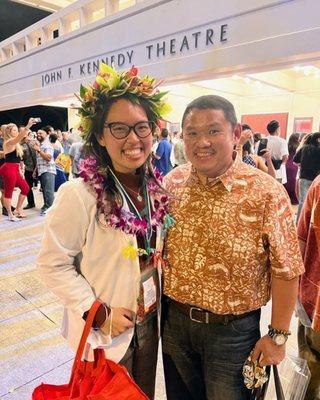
30,123
121,320
266,154
245,136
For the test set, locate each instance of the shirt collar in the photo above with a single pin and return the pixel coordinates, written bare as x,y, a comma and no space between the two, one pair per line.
228,178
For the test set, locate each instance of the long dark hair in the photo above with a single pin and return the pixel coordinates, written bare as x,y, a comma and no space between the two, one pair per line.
313,139
293,142
92,146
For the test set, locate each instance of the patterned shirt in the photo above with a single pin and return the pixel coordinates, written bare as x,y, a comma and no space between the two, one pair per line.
230,235
43,165
309,232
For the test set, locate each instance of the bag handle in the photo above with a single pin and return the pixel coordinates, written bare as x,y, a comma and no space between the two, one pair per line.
277,383
86,330
261,392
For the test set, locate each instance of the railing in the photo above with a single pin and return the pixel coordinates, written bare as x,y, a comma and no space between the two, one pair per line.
76,16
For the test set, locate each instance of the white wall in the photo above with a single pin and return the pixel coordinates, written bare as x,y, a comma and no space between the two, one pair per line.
260,34
297,105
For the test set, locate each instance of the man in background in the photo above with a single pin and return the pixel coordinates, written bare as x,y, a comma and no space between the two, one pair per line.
46,168
76,157
278,148
163,152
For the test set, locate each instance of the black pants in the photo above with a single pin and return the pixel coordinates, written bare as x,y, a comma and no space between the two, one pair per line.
141,356
205,361
30,180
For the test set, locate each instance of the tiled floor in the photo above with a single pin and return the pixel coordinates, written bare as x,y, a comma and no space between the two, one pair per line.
31,348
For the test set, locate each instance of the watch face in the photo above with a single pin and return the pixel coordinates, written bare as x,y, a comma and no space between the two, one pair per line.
279,339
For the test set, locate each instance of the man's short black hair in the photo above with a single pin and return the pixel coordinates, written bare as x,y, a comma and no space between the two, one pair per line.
48,129
215,103
272,126
164,133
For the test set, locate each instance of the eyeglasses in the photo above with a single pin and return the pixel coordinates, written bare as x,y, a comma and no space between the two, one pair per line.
141,129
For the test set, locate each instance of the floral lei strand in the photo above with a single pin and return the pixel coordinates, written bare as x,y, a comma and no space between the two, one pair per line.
119,218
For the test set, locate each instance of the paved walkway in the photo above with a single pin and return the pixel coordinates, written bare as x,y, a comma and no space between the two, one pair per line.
31,347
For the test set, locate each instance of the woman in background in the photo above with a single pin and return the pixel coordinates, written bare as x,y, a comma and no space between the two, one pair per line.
292,168
10,170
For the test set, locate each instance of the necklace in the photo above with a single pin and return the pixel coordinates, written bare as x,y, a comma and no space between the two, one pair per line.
117,217
137,194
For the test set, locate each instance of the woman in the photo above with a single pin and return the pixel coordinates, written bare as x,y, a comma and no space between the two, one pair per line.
308,158
57,149
244,150
291,168
10,170
103,235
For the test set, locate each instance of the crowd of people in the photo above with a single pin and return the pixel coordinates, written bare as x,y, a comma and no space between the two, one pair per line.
46,156
196,231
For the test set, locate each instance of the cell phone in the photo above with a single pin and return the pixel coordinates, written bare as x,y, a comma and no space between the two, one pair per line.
262,146
37,120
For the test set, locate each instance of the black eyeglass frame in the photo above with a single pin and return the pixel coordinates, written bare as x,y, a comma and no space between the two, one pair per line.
151,124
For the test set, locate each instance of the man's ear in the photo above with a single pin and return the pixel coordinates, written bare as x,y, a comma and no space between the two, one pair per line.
237,132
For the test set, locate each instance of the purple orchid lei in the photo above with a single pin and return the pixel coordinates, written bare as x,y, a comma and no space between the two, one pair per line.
117,217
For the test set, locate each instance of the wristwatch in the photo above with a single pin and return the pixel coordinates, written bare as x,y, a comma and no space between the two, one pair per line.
278,336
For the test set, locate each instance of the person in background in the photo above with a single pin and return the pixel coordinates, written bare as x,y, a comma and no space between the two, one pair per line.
256,139
309,293
66,142
279,150
49,129
244,149
179,152
2,161
291,168
233,244
308,158
10,170
30,164
65,159
59,134
163,152
57,150
46,169
76,156
174,139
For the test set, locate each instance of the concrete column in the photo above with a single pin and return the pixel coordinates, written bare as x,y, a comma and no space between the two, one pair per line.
83,17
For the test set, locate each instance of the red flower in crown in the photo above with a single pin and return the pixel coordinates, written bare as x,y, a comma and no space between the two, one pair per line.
133,71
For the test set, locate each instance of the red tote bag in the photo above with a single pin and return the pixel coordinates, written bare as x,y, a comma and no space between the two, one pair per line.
101,379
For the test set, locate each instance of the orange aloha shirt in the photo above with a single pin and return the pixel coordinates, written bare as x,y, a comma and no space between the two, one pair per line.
230,235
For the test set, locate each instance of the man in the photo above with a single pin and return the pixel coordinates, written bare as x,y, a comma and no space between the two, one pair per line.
163,152
66,142
30,164
309,295
278,148
232,243
76,157
46,168
174,139
179,152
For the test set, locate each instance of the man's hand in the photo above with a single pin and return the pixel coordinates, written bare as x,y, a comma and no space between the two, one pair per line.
267,352
122,320
36,147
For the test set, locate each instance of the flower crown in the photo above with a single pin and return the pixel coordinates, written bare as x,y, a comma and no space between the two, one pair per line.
110,84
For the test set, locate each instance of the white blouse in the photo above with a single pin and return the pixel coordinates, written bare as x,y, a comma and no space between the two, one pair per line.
80,261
